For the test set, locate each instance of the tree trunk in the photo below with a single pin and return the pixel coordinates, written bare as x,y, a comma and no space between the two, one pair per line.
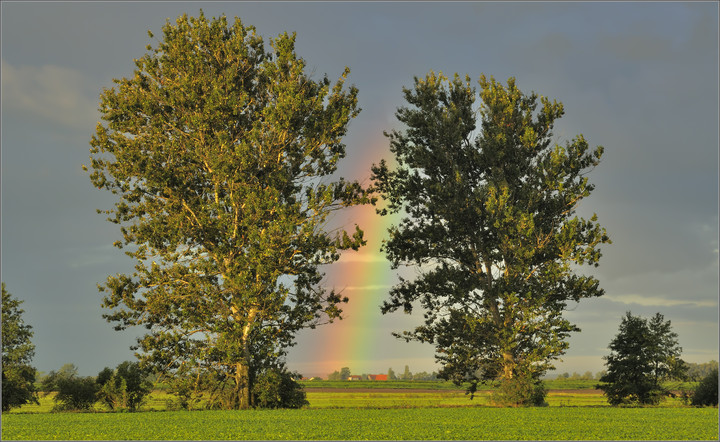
508,365
243,387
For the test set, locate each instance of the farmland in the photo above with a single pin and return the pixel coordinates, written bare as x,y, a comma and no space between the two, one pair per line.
354,411
476,423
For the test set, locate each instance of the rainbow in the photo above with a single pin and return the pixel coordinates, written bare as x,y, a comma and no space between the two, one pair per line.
365,277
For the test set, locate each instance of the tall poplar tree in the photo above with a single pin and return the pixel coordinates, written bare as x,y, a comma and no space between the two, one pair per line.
489,203
219,152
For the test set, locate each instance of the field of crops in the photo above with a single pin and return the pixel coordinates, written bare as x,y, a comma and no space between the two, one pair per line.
477,423
371,412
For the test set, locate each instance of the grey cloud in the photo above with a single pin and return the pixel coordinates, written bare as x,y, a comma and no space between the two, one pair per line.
55,93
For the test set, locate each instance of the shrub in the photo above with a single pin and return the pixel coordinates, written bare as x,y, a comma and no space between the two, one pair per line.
521,391
277,388
706,392
75,393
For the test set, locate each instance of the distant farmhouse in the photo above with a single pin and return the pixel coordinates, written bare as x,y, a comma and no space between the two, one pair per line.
371,377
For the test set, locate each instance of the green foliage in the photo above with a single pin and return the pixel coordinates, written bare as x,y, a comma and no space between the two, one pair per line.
476,423
345,373
278,388
124,388
490,226
76,393
18,377
696,372
50,382
522,391
707,392
643,355
220,152
424,376
194,385
18,386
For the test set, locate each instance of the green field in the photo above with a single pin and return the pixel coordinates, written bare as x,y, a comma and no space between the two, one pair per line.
420,412
477,423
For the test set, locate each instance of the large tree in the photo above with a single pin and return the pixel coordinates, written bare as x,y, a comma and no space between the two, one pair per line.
644,354
220,152
18,376
489,224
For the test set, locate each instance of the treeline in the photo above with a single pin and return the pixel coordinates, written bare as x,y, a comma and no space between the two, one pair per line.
587,376
695,372
124,388
128,386
345,374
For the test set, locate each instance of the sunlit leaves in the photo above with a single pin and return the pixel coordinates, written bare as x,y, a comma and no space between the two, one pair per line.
220,150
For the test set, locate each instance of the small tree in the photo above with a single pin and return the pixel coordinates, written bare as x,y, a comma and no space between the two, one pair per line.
126,387
643,355
345,373
391,375
706,393
51,380
18,377
407,374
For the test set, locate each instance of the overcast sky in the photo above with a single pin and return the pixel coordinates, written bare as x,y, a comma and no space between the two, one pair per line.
640,79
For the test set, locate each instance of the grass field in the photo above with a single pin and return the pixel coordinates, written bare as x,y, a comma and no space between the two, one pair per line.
364,412
477,423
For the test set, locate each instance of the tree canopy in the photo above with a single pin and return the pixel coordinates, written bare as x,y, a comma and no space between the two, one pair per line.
489,205
219,152
18,376
643,355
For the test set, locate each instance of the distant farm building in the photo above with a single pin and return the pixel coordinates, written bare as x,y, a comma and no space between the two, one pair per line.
371,377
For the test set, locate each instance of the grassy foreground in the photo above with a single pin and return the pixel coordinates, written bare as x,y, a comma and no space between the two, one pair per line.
405,413
477,423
